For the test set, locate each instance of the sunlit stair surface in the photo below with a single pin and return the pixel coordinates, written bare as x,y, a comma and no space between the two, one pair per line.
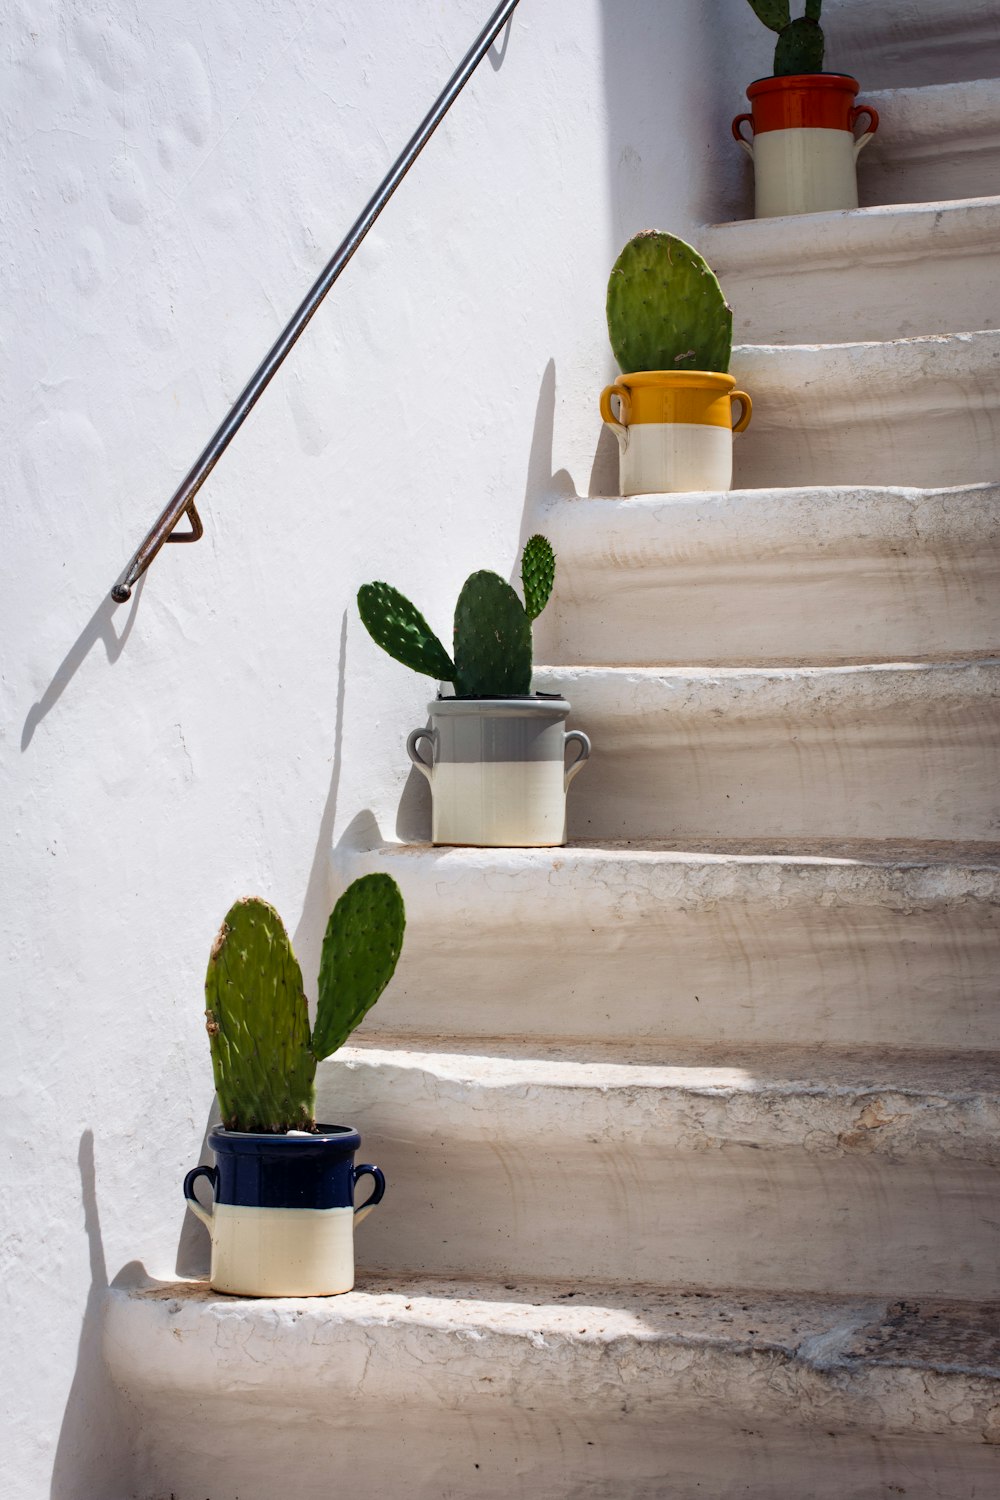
888,750
935,143
441,1390
690,1166
692,1127
912,411
867,274
856,574
839,944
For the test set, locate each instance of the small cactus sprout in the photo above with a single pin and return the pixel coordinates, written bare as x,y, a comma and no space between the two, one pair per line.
263,1056
800,44
538,572
666,310
492,639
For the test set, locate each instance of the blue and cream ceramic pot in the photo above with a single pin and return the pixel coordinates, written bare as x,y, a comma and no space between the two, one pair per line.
497,770
282,1223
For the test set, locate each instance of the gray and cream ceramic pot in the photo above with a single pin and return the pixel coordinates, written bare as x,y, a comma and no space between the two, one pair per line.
497,770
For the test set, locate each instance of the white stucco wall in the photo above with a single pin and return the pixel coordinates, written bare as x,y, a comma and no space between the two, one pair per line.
177,171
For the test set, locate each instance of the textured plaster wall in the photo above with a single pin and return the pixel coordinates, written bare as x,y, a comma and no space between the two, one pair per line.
176,173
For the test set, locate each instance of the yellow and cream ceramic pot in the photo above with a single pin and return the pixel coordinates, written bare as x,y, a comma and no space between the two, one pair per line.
675,429
803,145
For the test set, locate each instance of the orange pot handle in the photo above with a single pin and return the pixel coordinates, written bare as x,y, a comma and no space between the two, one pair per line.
872,113
738,132
625,408
744,421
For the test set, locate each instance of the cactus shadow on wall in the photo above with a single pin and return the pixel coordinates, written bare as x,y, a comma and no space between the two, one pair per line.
307,939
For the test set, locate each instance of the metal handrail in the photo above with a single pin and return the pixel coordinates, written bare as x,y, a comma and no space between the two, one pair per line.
183,501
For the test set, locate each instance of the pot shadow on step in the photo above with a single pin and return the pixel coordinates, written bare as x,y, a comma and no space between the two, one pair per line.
93,1451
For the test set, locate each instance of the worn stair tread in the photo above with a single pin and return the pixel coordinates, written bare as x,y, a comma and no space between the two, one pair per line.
788,1168
895,853
935,1364
841,237
889,750
866,273
819,575
775,684
831,941
902,411
939,141
923,42
884,1101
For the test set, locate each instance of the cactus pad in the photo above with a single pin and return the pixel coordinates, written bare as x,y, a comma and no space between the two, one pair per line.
362,945
775,14
258,1024
538,573
492,640
400,629
666,310
799,49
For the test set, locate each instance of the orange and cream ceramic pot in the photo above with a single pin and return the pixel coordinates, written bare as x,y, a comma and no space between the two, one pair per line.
675,429
803,143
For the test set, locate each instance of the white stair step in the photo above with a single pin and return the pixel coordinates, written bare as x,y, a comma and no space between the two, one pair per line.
868,274
850,945
919,42
892,751
766,576
767,1166
921,411
935,142
441,1390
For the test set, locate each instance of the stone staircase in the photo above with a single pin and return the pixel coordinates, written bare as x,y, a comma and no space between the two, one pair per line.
692,1128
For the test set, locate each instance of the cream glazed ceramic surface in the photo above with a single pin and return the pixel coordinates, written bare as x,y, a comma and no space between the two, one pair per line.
804,170
674,458
497,770
282,1224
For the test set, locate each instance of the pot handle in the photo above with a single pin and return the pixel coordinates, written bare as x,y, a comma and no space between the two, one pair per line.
583,741
204,1214
855,115
412,741
619,424
738,135
745,414
376,1197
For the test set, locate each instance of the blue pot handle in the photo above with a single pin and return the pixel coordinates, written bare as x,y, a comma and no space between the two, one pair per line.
204,1214
376,1197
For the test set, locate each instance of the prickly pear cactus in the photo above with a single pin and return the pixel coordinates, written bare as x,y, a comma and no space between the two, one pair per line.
361,948
400,629
538,573
492,640
666,310
258,1024
799,49
492,628
800,44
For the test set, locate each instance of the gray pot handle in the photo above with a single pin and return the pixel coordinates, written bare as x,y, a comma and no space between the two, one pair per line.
583,741
412,741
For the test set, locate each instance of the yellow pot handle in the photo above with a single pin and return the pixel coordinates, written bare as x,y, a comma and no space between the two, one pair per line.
744,421
625,407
